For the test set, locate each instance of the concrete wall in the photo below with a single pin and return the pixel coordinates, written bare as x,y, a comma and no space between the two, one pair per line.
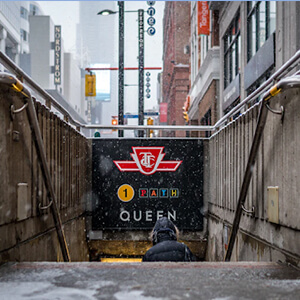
272,234
27,233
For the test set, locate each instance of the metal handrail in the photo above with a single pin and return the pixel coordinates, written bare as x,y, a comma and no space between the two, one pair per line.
21,75
17,85
287,83
10,65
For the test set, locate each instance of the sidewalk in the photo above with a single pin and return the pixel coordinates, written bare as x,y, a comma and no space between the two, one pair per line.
148,281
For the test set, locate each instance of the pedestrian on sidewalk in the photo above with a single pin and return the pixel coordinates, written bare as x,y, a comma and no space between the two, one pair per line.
165,245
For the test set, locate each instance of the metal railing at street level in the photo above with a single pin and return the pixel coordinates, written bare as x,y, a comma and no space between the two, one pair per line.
17,85
51,101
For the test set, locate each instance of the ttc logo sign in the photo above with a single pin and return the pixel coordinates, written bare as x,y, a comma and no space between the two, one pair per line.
147,160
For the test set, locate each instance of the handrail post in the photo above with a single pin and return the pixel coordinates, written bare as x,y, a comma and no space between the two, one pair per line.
47,178
263,112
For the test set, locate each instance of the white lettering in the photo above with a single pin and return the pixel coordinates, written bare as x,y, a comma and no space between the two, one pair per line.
160,214
147,159
172,216
127,218
140,216
148,215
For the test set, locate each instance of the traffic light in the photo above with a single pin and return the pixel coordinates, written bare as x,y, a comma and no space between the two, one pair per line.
150,122
114,121
186,116
90,85
185,108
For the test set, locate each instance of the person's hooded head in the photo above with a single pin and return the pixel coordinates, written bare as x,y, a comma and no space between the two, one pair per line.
164,229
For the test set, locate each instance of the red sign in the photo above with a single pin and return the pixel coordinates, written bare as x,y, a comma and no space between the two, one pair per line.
203,18
147,160
163,112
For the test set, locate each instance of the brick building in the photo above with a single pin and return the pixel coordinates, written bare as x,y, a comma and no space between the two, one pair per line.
175,76
205,65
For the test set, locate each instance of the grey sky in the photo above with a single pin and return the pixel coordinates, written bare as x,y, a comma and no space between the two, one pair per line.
66,14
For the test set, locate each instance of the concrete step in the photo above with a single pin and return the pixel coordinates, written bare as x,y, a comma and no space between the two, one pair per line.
149,281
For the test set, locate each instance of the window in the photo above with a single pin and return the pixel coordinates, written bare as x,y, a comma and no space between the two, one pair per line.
206,41
206,121
34,10
194,46
24,13
24,35
205,45
261,20
194,58
232,51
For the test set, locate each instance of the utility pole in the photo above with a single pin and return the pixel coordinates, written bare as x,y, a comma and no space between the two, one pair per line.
121,67
141,69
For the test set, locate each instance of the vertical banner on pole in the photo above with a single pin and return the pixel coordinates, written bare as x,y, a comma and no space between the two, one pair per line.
141,69
203,18
121,67
57,55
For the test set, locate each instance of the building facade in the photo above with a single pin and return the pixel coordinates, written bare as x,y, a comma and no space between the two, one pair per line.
175,76
27,38
10,26
245,44
205,62
256,39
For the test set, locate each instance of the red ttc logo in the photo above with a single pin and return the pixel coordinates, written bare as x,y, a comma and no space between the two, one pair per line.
147,160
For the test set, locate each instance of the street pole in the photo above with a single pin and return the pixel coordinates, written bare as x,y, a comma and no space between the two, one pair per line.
121,67
141,69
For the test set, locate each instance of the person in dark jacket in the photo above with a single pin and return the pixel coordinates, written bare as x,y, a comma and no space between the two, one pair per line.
165,246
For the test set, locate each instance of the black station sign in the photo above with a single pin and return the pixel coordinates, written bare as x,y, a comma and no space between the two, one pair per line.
137,181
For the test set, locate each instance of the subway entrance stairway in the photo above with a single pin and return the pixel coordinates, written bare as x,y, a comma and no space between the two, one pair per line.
60,201
149,281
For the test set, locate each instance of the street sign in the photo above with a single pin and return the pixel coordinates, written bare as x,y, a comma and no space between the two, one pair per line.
151,31
151,11
151,3
145,179
151,21
146,114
